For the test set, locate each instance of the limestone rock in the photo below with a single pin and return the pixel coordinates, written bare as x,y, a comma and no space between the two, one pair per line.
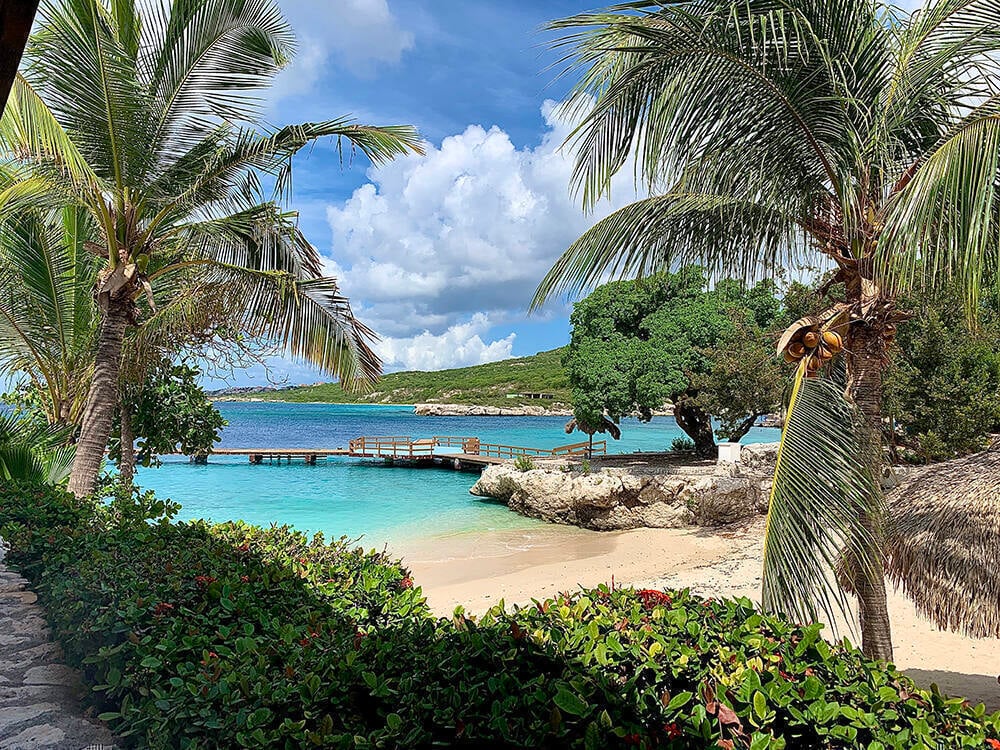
628,498
472,410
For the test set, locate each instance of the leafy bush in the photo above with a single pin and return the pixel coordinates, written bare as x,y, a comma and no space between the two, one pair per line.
682,445
943,390
199,636
524,463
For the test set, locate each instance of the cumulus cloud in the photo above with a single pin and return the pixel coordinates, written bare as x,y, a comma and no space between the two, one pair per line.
458,346
470,227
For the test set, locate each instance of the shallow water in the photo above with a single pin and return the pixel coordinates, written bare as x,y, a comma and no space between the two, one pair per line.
344,496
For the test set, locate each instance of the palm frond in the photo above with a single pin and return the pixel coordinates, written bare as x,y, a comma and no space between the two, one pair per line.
946,223
824,490
29,132
206,61
746,83
725,235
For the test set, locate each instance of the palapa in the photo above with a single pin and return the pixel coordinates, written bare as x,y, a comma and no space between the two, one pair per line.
943,542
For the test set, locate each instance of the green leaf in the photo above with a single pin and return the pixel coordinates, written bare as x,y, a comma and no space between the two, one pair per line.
571,703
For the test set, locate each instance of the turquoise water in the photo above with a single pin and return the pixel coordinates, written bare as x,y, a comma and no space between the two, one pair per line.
345,496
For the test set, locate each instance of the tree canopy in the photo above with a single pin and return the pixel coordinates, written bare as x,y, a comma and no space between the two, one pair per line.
637,345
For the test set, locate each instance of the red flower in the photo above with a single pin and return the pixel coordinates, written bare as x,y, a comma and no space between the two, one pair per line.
651,598
672,730
358,637
245,579
406,583
304,642
161,609
204,581
632,739
244,548
994,744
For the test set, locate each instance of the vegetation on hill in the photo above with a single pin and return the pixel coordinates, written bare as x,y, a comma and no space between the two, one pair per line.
488,385
192,635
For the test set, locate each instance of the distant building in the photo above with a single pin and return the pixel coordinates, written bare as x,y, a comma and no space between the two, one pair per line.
533,396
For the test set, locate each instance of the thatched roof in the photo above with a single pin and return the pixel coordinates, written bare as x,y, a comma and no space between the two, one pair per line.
606,425
943,543
16,17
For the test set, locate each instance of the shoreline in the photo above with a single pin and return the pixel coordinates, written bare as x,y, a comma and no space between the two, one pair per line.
478,570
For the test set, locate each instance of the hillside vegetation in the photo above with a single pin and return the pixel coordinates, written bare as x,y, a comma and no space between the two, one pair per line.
487,384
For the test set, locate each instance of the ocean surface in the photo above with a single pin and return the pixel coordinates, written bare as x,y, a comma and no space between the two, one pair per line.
365,499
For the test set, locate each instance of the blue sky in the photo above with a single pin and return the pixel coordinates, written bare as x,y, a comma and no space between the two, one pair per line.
440,253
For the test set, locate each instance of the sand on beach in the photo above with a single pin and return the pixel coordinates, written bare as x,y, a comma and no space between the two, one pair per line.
477,570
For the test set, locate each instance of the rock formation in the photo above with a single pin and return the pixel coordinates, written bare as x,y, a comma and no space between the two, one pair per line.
471,410
659,494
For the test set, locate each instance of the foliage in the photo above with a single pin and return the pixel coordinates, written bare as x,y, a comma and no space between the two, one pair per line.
223,636
943,390
48,320
170,414
487,384
639,344
33,451
682,445
524,463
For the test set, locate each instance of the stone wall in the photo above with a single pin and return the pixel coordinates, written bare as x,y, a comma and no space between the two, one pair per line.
650,493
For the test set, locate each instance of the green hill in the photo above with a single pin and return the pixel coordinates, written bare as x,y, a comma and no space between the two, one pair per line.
488,385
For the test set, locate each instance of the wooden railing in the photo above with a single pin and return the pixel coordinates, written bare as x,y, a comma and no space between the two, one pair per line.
400,446
600,448
392,447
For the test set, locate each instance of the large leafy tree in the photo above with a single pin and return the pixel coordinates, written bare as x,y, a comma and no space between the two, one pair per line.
637,345
145,117
772,132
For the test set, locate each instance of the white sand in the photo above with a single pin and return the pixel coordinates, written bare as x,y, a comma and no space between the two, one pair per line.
478,570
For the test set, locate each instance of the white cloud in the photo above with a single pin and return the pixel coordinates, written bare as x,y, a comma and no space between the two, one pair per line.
458,346
359,34
470,227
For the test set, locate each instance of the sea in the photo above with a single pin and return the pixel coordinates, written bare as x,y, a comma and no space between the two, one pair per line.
366,500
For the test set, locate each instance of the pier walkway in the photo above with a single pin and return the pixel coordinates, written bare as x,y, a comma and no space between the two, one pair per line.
457,453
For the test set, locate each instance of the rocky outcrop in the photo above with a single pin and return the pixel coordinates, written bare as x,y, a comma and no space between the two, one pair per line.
472,410
669,495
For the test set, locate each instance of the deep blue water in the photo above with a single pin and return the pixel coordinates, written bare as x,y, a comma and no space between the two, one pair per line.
348,497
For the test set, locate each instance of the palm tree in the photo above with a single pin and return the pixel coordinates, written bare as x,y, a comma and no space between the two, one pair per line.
145,118
774,133
48,320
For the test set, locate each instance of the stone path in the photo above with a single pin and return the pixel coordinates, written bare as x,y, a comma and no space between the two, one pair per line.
39,695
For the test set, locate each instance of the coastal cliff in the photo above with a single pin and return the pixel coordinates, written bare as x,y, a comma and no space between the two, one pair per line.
636,491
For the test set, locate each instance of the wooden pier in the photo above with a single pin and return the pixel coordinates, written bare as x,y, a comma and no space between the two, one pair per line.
401,450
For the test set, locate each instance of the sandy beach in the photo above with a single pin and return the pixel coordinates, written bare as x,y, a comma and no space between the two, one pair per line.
478,570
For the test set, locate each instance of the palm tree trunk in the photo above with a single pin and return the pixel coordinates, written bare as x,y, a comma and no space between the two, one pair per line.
866,349
98,414
126,463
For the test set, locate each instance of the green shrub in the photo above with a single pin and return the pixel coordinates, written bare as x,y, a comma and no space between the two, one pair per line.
524,463
682,445
200,636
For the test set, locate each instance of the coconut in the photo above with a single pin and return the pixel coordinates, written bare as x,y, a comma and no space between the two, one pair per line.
814,363
811,339
823,353
797,350
833,341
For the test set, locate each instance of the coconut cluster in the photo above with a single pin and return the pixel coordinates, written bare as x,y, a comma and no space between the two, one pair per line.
815,346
